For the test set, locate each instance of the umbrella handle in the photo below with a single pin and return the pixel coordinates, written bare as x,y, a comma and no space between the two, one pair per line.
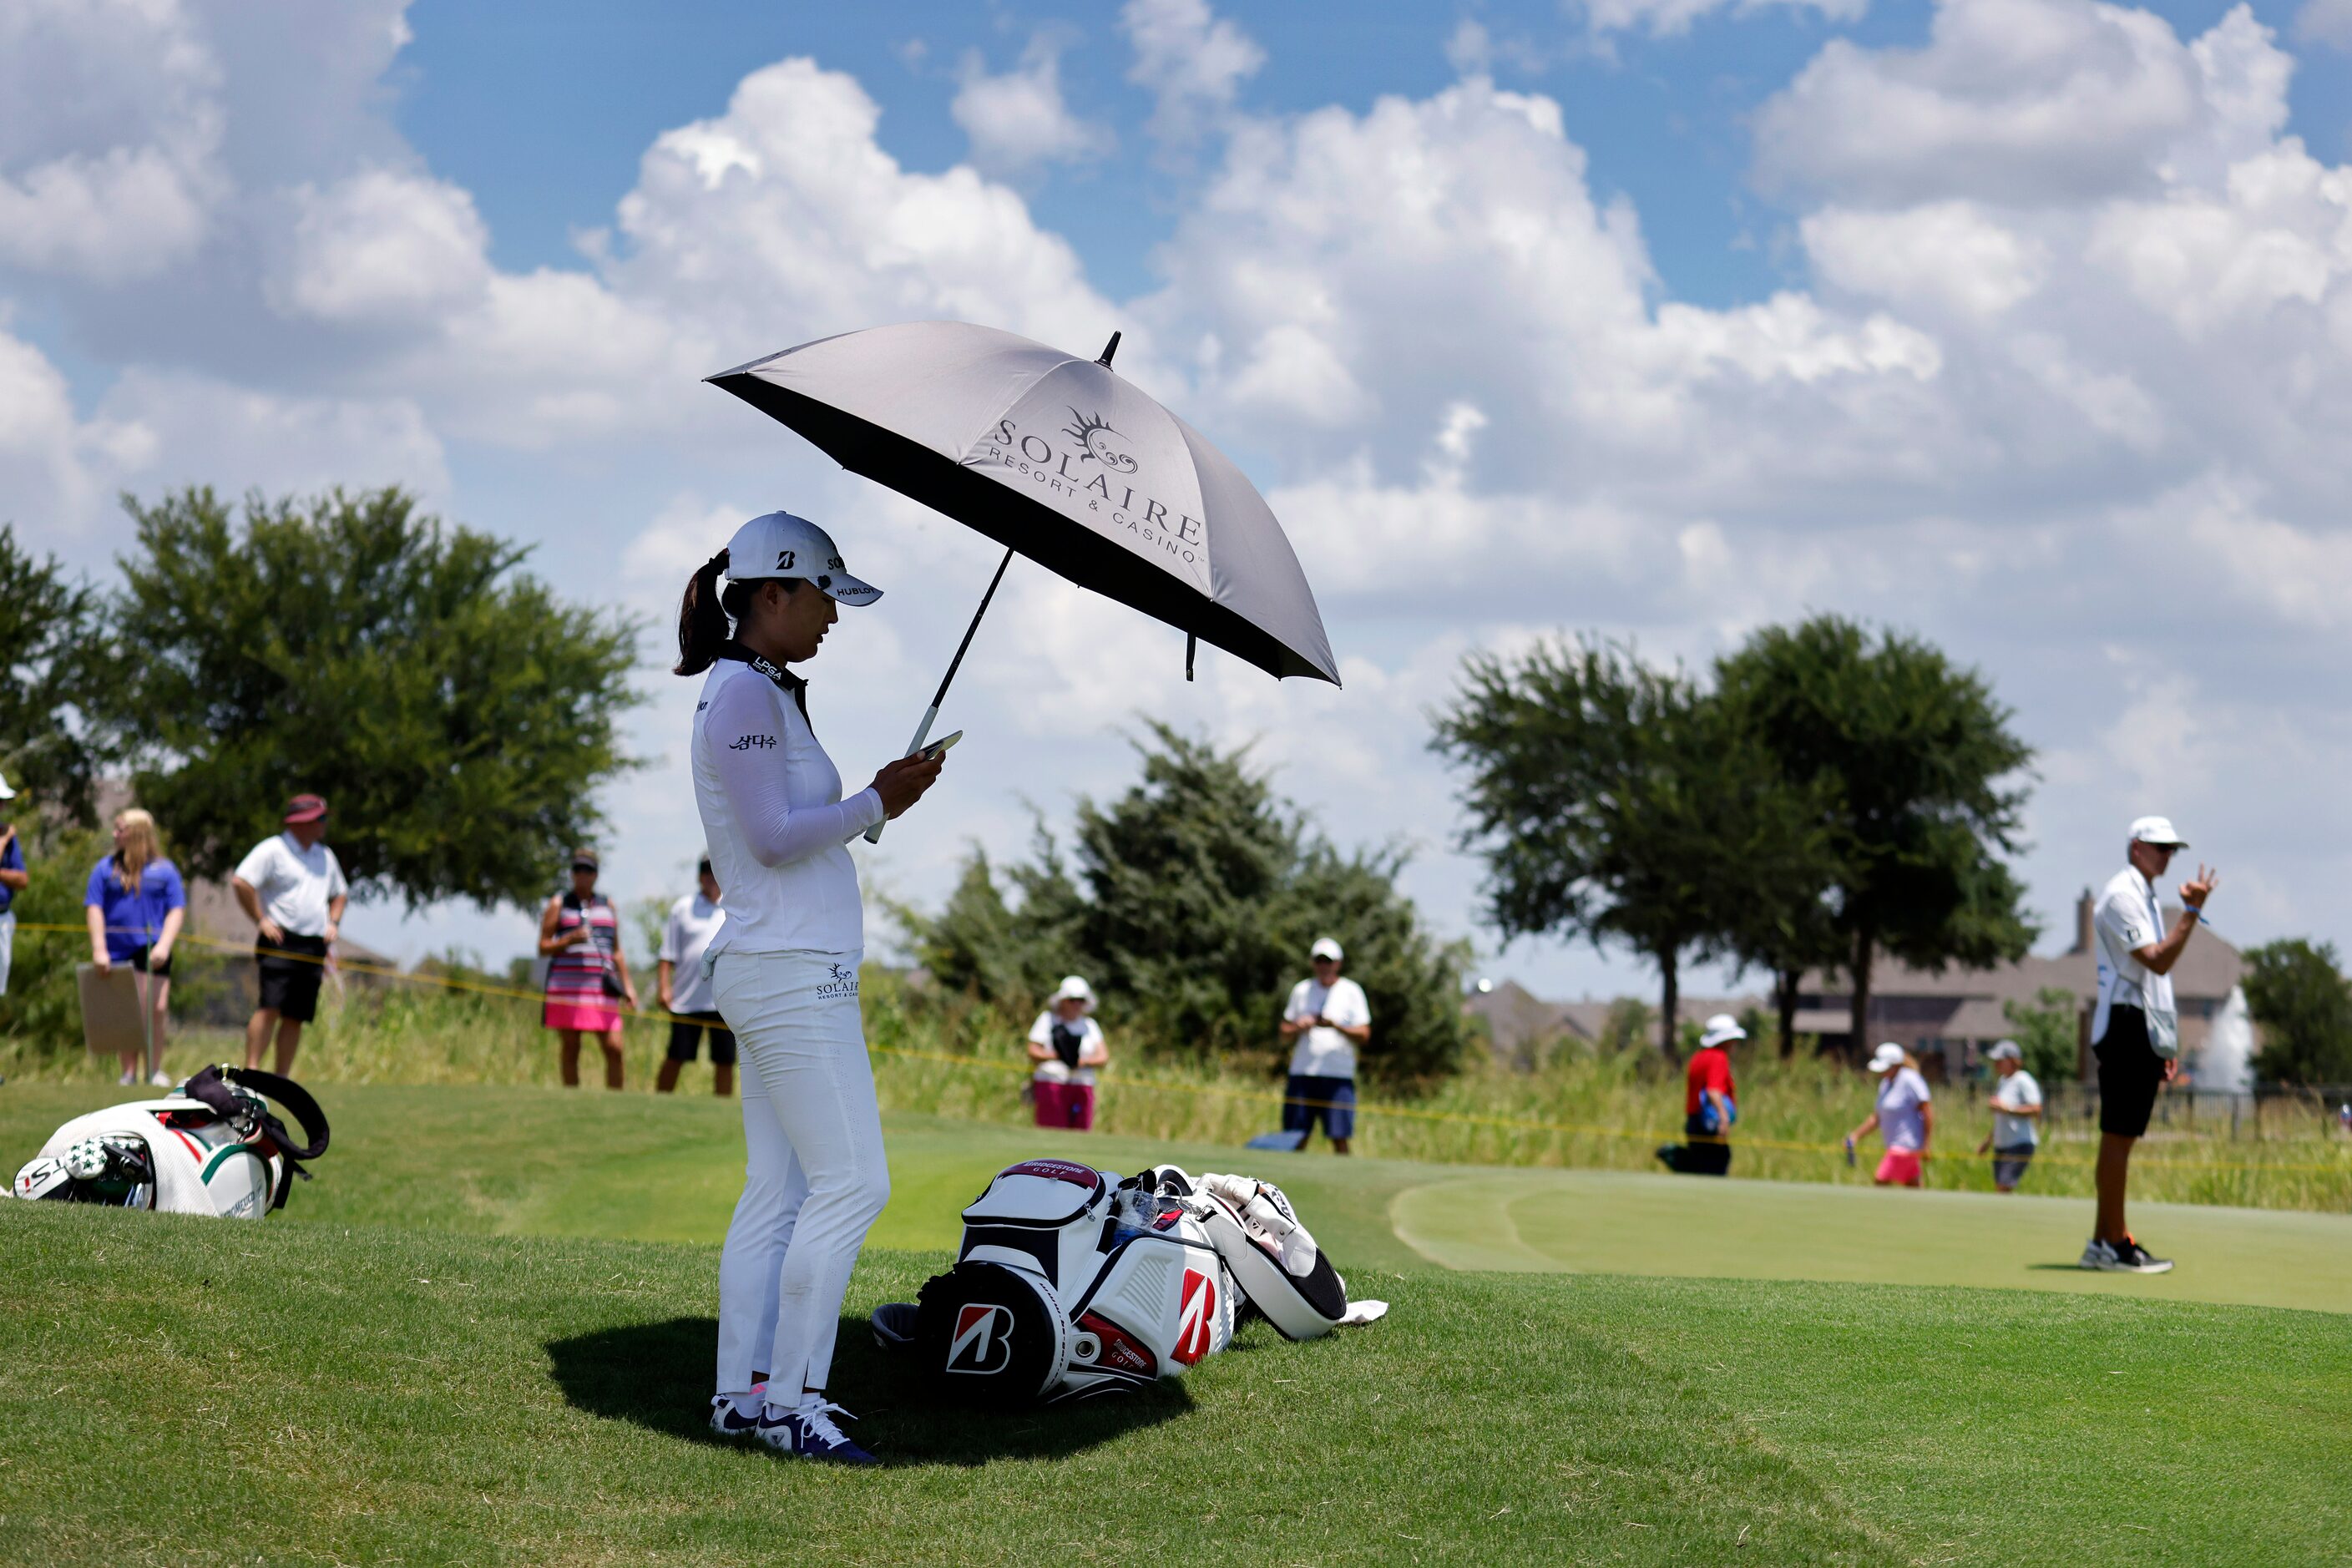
922,733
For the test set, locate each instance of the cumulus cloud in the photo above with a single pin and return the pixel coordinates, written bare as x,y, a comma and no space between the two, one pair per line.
2325,22
2021,102
1672,18
1017,119
1192,60
110,136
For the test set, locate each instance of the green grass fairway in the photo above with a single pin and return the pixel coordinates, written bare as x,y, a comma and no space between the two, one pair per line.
484,1335
178,1391
639,1168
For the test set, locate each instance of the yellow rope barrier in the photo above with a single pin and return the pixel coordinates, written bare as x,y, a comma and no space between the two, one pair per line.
1508,1123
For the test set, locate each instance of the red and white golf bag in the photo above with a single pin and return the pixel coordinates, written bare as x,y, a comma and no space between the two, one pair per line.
213,1147
1071,1282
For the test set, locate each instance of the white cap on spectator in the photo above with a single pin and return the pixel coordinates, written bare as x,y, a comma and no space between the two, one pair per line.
1722,1029
2004,1051
1886,1058
1073,987
2157,830
1325,948
5,792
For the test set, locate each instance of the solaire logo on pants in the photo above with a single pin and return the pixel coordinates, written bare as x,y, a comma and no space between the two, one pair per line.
983,1341
1194,1318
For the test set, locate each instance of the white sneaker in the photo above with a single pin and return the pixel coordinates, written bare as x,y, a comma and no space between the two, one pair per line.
2100,1254
162,1080
129,1080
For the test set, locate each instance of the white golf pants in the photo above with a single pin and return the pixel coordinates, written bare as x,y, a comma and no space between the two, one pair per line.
815,1179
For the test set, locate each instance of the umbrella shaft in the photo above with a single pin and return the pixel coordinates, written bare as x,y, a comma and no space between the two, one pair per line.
923,729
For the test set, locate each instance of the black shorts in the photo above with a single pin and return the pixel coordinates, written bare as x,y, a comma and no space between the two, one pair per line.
141,963
686,1032
291,974
2130,1074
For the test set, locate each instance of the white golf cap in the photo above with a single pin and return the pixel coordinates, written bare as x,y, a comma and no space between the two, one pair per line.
2004,1051
2157,830
1886,1058
5,792
1075,986
1325,948
1722,1029
778,544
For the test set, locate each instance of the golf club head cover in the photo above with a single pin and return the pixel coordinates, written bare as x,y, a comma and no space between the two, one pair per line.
1266,1212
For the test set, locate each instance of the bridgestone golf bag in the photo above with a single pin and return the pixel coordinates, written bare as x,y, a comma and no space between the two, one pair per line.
214,1147
1072,1283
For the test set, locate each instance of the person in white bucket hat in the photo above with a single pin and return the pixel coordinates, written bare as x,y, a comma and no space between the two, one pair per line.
1328,1017
2134,1029
1709,1103
1068,1048
1902,1117
785,971
13,879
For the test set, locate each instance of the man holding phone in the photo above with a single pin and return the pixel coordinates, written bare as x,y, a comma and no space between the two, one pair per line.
1328,1016
2134,1029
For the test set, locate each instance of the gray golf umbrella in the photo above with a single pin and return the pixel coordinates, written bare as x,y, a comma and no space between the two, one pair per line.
1060,459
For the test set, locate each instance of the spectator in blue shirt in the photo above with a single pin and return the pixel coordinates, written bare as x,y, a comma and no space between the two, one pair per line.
12,882
136,905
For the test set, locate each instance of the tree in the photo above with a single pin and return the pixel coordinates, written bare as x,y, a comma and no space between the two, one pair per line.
456,714
2048,1033
1909,760
1617,802
48,661
1190,901
2296,991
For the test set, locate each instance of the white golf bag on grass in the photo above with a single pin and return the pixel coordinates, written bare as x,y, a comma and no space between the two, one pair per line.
1072,1283
213,1147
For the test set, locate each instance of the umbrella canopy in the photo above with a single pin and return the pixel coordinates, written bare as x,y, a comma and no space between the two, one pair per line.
1060,459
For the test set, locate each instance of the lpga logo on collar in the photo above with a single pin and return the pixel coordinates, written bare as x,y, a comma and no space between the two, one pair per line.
841,980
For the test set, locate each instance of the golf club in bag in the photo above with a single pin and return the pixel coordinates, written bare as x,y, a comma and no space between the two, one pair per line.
213,1147
1072,1282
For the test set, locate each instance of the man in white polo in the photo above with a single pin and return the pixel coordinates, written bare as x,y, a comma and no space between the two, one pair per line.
2134,1029
291,888
1328,1016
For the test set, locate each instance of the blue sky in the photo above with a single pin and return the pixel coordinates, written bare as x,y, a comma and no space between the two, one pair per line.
2024,324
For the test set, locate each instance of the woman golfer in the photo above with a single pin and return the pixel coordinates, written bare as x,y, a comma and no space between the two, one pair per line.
784,973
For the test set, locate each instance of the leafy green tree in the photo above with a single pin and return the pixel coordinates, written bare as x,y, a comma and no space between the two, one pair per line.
1910,764
1006,954
2296,991
1618,802
1189,901
457,715
48,645
2048,1032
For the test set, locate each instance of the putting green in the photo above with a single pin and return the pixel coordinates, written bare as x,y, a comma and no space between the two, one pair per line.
1608,1222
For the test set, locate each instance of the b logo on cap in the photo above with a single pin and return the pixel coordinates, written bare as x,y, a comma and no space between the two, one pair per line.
983,1339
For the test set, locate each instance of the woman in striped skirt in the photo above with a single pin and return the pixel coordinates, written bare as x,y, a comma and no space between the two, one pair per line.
587,973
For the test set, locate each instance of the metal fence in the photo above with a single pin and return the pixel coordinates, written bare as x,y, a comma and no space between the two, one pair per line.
2266,1110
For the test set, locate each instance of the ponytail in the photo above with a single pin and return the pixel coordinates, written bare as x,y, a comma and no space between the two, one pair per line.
701,618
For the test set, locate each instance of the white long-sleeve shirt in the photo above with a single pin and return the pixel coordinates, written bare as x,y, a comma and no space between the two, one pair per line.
773,818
